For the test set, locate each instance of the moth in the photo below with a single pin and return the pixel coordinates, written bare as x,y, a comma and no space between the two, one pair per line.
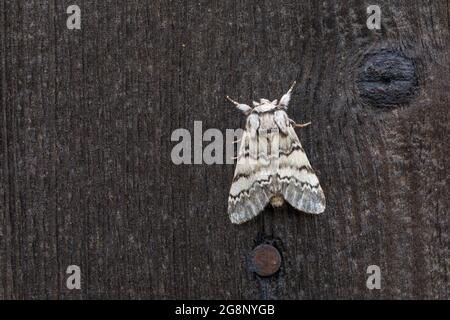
272,166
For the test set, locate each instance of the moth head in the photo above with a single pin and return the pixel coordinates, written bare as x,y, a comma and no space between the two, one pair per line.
264,102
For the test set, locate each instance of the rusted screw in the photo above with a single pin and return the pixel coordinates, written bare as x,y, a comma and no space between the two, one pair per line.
266,260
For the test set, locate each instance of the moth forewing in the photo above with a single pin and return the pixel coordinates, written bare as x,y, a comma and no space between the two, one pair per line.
299,184
249,190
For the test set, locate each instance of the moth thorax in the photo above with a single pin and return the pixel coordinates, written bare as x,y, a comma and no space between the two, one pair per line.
277,201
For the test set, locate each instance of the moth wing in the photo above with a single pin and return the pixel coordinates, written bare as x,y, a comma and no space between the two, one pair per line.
250,189
299,184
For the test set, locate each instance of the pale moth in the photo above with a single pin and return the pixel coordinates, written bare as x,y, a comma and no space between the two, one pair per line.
271,164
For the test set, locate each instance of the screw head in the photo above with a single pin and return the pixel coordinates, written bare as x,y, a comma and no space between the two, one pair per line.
266,260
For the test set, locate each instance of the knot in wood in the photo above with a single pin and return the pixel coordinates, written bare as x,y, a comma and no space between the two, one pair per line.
387,78
266,260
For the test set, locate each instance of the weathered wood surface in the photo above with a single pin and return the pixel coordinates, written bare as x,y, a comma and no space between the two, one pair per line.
86,175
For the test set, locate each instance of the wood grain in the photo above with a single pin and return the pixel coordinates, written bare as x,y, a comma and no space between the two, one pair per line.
86,176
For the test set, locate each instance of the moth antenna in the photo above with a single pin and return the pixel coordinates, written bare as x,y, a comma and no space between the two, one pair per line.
302,125
232,101
292,87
